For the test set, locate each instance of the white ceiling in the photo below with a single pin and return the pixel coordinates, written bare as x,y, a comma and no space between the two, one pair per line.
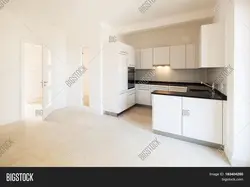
80,14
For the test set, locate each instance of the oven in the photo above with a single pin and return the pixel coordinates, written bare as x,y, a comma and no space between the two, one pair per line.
131,77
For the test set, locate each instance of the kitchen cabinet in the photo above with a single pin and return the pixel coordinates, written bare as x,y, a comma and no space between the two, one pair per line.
116,57
138,59
202,119
146,58
123,73
126,100
212,44
161,56
178,57
167,114
191,62
157,87
130,100
143,97
143,94
122,102
131,57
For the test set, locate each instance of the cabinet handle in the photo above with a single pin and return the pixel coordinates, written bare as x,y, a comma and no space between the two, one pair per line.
185,112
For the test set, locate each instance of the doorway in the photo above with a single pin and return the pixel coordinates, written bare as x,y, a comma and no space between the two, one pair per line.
85,62
32,91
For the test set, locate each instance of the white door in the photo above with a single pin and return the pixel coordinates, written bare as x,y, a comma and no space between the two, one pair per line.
178,57
161,56
202,119
167,113
147,58
191,57
54,86
47,83
31,80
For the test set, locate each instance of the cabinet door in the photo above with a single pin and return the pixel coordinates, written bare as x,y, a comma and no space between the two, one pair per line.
212,46
143,97
167,113
123,73
202,119
161,56
178,57
191,57
147,58
131,56
131,100
122,102
138,59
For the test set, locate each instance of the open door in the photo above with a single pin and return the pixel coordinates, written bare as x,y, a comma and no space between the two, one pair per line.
47,83
54,87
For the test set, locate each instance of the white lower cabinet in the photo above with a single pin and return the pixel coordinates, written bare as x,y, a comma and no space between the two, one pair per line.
143,97
202,119
131,100
126,100
122,102
167,113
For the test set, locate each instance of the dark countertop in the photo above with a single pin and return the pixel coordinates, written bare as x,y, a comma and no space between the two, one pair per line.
201,95
166,83
194,90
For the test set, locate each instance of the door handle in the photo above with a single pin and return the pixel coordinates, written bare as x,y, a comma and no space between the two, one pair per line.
44,83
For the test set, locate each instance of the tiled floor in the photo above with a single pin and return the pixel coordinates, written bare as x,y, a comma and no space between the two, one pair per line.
77,137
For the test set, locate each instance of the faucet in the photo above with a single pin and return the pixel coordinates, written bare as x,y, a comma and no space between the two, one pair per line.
209,85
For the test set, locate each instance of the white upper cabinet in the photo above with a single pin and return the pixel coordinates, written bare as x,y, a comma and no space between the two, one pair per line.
161,56
138,59
202,119
147,58
131,55
191,62
212,46
178,57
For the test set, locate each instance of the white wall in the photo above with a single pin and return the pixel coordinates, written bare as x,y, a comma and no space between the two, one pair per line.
168,74
236,17
11,33
184,33
15,28
241,154
86,80
74,61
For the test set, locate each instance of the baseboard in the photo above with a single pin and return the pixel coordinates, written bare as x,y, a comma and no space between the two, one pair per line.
148,106
239,163
191,140
228,155
115,114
